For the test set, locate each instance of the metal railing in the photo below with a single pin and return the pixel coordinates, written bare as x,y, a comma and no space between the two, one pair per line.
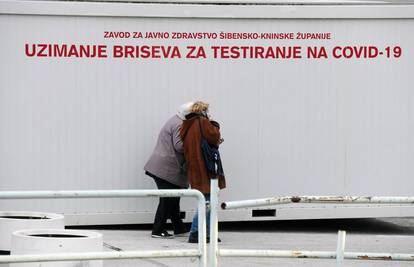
214,251
315,199
340,253
200,253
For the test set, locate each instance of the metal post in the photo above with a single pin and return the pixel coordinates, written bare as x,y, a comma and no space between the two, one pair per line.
202,240
100,194
277,253
301,254
213,222
202,246
340,248
107,255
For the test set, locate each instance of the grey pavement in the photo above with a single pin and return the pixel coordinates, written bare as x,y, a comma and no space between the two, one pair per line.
393,235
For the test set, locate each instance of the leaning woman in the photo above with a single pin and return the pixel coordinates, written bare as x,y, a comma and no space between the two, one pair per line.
165,166
197,126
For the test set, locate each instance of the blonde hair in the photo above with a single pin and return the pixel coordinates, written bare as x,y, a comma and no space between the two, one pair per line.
199,106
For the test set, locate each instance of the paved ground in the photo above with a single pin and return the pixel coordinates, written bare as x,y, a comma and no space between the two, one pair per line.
395,235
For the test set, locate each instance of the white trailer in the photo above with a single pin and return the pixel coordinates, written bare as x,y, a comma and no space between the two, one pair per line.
314,99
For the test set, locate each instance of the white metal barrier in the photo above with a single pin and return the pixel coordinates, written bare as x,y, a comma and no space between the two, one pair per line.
200,253
315,199
340,253
214,251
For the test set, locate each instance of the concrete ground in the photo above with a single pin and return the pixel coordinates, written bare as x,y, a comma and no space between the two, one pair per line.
392,235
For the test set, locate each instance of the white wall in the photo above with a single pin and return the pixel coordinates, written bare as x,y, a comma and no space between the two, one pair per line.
291,127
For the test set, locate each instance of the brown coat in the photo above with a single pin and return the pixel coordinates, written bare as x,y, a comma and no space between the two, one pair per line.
196,170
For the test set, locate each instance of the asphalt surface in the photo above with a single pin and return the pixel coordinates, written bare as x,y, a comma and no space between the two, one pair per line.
391,235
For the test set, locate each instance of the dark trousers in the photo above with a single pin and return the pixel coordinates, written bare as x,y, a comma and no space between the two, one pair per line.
168,208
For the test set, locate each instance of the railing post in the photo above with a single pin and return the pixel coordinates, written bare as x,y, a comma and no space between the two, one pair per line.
202,240
201,253
340,248
213,222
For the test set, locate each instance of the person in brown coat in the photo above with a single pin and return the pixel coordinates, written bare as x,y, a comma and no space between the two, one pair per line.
197,126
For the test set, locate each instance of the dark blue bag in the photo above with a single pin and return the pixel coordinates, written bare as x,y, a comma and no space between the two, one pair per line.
211,156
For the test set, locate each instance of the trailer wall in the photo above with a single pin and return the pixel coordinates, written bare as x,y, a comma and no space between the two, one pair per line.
292,126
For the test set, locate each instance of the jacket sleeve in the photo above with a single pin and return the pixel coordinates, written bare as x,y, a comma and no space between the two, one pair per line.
210,132
176,139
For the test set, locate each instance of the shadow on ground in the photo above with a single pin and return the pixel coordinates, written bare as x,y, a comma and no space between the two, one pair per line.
360,226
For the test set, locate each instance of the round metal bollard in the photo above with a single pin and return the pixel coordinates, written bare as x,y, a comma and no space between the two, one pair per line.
45,241
11,221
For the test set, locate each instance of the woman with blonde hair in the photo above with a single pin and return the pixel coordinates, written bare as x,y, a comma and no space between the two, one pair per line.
196,127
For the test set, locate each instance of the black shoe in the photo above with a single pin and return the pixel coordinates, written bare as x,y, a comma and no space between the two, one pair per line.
193,238
182,231
163,234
